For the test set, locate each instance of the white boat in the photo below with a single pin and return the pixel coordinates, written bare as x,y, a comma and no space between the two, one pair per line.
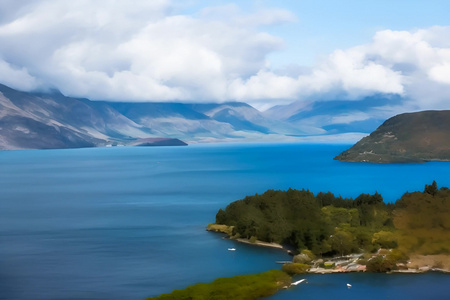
231,249
297,282
349,285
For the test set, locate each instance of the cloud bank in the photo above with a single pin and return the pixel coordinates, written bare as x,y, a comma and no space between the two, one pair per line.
151,51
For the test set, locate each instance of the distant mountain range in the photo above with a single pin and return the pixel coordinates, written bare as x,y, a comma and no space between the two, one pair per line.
52,120
410,137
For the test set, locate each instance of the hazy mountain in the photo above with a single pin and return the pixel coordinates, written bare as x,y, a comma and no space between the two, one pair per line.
52,120
46,121
334,116
41,121
410,137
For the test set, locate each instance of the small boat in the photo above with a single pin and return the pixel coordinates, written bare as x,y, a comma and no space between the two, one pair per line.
349,285
231,249
297,282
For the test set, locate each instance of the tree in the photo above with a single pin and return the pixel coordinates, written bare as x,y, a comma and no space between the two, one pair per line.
380,264
431,189
342,242
221,217
386,239
295,268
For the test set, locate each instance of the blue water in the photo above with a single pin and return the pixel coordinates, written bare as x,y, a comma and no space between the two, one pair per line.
128,223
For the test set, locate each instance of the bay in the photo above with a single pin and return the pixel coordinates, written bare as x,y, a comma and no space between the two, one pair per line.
129,223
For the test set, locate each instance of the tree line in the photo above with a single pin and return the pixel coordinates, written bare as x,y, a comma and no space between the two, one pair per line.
327,224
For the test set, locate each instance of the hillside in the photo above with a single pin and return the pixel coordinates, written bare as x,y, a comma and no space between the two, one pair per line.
327,225
52,120
335,116
410,137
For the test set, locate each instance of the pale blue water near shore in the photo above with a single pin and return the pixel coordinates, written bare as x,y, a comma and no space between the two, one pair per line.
128,223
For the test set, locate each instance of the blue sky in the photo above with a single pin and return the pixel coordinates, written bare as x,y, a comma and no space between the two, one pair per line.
264,53
326,25
322,26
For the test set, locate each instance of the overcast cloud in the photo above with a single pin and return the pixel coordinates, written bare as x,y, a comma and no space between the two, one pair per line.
148,51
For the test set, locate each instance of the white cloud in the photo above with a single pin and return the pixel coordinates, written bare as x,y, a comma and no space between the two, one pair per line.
231,13
117,50
423,57
350,117
141,51
440,73
351,73
18,78
264,85
415,65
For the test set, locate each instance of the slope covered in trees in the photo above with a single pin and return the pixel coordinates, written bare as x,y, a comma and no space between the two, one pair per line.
325,224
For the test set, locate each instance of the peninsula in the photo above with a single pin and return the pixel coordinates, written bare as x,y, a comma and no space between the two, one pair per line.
331,234
334,234
410,137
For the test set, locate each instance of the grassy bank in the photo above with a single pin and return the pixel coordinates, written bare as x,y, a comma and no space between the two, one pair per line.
242,287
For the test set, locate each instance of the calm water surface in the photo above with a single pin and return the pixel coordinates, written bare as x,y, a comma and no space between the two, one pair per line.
128,223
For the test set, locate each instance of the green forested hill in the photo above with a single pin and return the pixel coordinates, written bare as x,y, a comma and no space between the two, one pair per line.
325,224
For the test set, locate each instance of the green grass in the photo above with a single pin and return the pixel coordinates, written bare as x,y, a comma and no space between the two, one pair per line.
242,287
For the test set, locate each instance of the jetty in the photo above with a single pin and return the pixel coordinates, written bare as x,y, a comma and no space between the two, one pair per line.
298,282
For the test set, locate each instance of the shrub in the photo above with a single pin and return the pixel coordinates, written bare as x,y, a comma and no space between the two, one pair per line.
379,264
239,287
309,253
397,256
295,268
386,239
220,228
302,258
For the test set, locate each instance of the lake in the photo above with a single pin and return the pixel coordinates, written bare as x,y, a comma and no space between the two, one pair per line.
129,223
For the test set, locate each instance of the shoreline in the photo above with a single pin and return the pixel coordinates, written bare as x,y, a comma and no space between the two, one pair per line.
423,270
418,264
260,243
212,227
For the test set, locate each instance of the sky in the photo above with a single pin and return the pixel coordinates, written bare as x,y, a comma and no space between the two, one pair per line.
265,53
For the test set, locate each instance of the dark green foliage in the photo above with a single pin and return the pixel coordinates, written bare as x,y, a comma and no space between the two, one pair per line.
387,262
243,287
342,242
304,221
431,189
295,268
276,216
326,224
380,264
220,217
372,210
326,199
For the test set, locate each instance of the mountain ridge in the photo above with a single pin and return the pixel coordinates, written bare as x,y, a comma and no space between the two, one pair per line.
47,121
31,120
409,137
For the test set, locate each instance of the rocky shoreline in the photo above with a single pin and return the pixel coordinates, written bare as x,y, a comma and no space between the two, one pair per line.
416,265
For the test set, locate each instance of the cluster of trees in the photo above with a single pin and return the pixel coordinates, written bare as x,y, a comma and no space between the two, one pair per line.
326,224
423,220
239,287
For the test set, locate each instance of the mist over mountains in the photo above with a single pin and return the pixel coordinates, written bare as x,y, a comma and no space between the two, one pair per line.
46,121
